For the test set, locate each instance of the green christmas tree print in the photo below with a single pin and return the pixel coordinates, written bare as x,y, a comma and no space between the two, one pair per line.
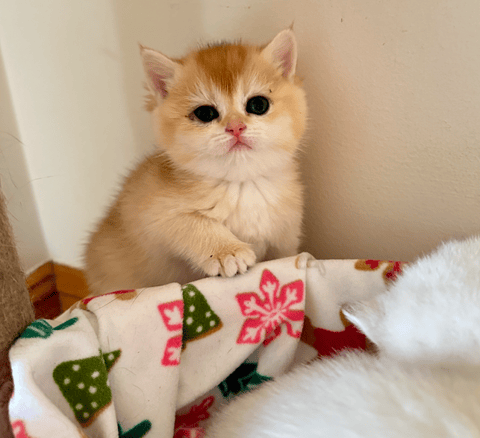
199,319
244,378
43,329
84,384
111,358
138,431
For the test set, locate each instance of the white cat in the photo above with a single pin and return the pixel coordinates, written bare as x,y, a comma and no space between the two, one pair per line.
425,382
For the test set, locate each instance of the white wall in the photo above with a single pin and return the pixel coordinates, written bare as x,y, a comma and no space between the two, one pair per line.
392,154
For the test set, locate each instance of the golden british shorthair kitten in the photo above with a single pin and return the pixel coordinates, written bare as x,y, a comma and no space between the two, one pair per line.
223,190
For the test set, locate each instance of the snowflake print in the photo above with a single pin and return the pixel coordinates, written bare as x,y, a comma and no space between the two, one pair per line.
195,415
173,349
172,315
187,425
268,311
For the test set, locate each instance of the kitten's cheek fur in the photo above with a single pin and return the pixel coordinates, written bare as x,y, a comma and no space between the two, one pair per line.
229,261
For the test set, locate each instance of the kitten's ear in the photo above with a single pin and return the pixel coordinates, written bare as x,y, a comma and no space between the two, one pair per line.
282,51
160,70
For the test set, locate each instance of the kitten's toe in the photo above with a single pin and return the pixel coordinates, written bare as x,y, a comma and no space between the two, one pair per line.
229,265
246,256
230,261
212,267
238,262
241,265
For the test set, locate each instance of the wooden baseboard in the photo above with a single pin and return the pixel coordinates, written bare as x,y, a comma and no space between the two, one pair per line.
71,284
43,292
54,288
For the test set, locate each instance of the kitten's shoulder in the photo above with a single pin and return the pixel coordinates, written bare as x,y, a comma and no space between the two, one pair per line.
158,171
156,166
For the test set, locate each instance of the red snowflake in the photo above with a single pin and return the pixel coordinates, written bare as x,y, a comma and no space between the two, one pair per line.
186,425
173,350
270,309
172,316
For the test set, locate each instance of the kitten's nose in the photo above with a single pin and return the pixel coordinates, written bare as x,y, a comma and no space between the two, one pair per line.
235,127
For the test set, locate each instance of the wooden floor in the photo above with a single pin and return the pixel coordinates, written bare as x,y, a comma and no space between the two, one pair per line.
54,288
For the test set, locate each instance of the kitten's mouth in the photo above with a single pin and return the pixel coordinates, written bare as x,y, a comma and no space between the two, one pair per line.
239,145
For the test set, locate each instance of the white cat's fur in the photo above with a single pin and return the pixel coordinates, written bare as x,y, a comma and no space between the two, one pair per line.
425,382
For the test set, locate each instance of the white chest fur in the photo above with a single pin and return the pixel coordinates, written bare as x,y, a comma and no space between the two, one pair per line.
249,209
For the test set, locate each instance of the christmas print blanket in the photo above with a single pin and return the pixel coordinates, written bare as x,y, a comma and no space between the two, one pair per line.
157,362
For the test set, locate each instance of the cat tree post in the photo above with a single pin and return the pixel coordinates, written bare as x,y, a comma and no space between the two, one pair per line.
16,311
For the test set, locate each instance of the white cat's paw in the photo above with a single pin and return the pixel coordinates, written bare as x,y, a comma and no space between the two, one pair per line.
230,260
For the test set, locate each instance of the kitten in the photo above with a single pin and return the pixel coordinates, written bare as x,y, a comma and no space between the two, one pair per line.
223,191
424,383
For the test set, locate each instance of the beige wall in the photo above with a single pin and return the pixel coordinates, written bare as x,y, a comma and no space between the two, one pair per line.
392,153
392,165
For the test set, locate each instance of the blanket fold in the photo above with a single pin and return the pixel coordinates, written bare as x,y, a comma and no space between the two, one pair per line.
156,362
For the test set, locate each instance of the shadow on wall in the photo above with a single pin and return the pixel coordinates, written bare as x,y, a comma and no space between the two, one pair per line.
15,183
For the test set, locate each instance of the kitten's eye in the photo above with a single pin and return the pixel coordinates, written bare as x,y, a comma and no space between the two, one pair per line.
257,105
206,113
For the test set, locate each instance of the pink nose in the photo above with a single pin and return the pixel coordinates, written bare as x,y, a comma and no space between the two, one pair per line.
235,127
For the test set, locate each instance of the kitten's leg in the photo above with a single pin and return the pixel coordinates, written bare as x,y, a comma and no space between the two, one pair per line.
289,246
209,245
260,248
286,244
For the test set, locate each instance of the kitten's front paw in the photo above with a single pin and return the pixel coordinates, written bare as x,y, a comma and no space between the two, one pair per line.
230,260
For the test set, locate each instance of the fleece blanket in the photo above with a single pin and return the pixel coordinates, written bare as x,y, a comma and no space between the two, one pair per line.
156,362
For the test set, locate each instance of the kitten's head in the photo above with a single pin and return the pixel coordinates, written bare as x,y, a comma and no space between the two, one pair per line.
230,111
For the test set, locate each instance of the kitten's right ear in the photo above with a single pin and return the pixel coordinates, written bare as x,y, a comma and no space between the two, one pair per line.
282,51
160,70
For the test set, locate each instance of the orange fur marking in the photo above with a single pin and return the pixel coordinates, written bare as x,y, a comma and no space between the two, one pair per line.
223,65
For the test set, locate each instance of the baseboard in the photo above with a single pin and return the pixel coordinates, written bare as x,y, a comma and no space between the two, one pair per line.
54,288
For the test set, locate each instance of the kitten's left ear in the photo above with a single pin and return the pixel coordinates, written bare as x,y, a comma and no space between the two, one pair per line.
282,51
